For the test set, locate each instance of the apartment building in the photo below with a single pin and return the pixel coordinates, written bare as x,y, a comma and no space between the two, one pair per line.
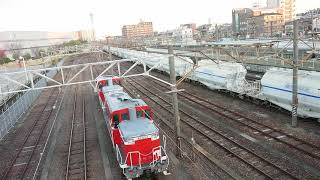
138,30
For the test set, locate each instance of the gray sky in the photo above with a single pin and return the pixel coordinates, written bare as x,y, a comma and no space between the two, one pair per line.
110,15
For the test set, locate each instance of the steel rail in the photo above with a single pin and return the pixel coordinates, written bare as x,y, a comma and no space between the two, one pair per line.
71,135
84,138
72,132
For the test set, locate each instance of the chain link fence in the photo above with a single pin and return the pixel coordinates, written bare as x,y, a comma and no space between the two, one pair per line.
16,110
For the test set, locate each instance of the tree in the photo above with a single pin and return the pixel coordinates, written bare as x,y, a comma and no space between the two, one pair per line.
15,55
27,56
42,52
74,43
4,60
15,48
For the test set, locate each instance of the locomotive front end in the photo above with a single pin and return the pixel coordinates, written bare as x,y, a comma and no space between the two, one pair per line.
141,150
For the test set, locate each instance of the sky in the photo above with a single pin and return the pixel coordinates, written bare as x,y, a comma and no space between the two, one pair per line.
110,15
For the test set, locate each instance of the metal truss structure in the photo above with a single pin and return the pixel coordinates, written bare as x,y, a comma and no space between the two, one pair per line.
73,79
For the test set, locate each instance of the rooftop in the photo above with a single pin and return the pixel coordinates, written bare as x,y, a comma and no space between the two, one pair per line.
121,100
137,127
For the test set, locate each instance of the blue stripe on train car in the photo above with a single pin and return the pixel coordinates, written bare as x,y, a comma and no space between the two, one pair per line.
285,90
210,74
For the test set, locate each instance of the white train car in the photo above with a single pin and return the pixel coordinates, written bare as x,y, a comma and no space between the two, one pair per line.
222,75
182,65
276,87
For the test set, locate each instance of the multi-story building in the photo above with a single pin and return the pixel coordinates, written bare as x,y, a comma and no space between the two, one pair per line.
316,24
260,11
285,7
288,7
184,35
84,35
205,29
266,25
263,21
192,26
240,21
225,30
308,23
138,30
181,36
304,27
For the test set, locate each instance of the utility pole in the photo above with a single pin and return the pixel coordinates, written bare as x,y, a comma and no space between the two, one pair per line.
175,99
294,121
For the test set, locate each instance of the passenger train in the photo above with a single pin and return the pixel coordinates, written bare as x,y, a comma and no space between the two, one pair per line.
275,87
135,138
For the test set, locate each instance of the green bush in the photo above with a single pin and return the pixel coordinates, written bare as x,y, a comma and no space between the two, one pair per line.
4,60
27,56
16,56
74,43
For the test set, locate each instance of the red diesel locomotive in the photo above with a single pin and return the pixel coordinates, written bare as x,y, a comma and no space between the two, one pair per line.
135,138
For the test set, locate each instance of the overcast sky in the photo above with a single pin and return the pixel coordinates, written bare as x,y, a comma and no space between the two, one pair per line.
110,15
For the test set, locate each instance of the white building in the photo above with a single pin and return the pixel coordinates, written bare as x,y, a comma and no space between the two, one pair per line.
85,35
289,9
316,24
184,36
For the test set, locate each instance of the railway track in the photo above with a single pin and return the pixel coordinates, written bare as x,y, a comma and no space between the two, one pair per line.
253,160
21,165
190,145
271,133
76,158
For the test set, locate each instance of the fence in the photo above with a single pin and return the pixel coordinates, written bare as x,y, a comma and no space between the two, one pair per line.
15,112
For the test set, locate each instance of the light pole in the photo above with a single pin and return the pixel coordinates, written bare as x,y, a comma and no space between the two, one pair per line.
24,66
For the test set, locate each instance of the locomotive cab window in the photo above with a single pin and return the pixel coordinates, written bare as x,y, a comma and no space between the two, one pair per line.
100,85
139,114
125,116
115,120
